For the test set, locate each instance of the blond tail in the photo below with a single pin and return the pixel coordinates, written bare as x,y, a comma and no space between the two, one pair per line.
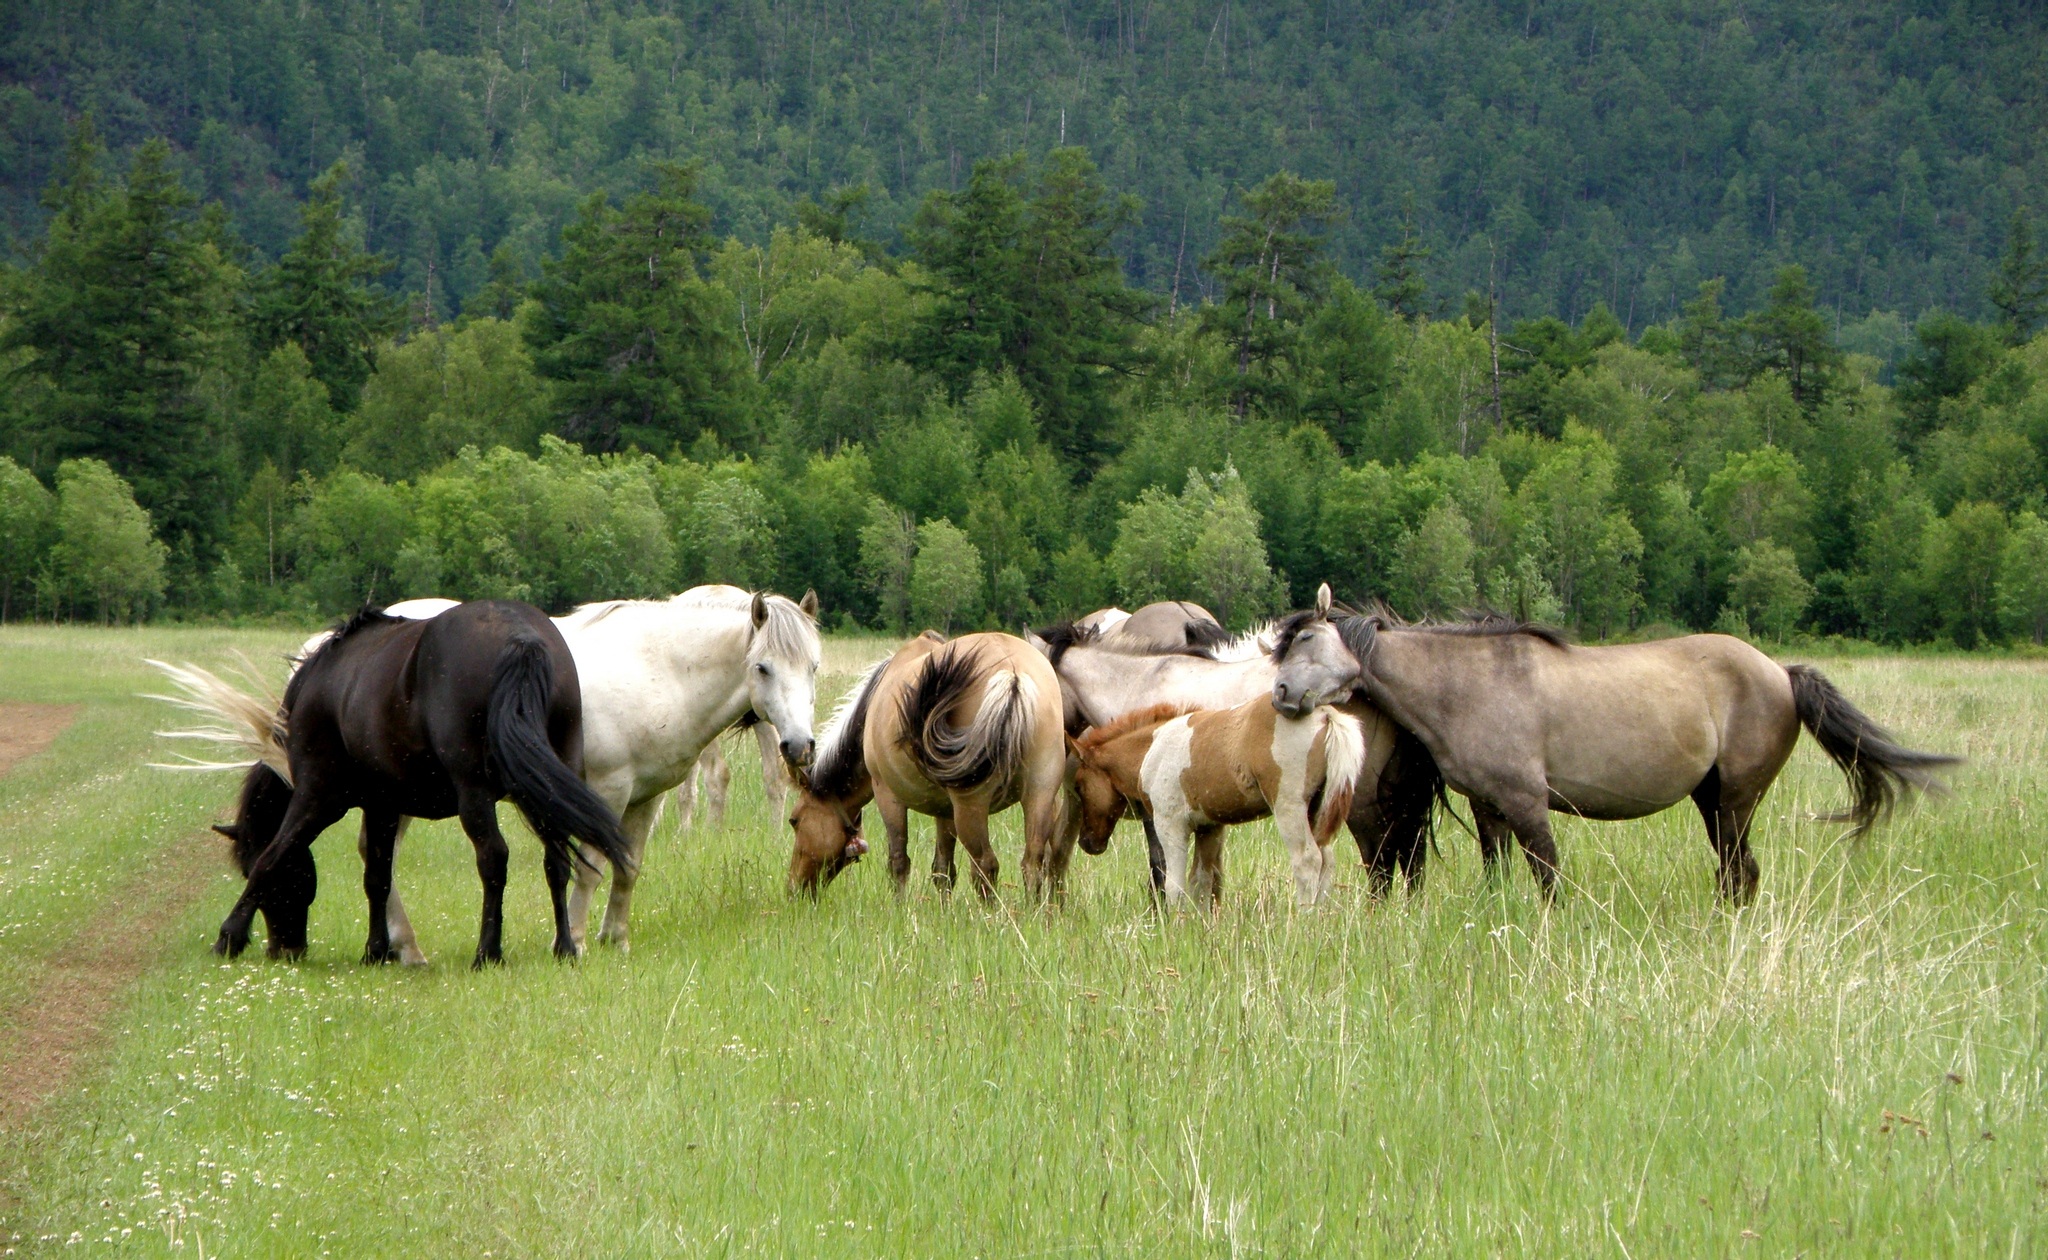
248,718
1343,763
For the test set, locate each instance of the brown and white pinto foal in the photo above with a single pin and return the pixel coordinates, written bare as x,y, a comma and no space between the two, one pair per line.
1199,771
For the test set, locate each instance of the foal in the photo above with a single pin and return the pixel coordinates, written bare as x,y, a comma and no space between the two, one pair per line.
1201,770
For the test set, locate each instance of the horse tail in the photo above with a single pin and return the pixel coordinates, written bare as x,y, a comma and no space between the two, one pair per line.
1879,769
247,718
1343,763
991,748
553,799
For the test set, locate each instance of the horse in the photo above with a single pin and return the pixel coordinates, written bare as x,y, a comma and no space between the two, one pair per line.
1103,680
421,718
1201,770
1523,723
957,730
661,679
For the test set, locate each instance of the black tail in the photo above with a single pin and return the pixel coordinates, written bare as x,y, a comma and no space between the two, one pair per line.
1878,768
991,747
553,799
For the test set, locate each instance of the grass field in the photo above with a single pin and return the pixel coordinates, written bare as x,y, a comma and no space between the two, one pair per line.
1855,1065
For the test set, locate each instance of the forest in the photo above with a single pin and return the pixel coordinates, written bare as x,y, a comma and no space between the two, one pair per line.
1701,319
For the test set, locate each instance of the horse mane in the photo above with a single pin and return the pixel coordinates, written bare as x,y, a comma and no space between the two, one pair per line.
1066,634
1205,641
1123,724
838,757
1358,628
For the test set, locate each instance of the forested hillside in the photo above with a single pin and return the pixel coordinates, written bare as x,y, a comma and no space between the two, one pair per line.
1620,322
1577,152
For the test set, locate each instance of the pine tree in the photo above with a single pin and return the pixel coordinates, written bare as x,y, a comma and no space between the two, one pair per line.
1792,338
317,296
127,304
1270,263
632,334
1397,277
2020,289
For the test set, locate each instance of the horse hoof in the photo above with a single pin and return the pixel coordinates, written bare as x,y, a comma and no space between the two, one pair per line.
410,956
288,953
226,946
482,961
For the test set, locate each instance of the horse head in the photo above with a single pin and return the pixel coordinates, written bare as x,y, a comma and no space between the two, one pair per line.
827,840
1320,662
288,898
1102,805
783,655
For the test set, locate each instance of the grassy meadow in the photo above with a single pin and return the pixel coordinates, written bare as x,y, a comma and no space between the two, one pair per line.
1855,1065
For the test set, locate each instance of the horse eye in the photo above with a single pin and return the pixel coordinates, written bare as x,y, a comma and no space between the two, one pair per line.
762,667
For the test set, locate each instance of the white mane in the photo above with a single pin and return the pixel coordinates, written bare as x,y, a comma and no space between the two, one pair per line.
1253,643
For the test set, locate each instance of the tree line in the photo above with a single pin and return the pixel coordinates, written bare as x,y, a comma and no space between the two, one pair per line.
992,425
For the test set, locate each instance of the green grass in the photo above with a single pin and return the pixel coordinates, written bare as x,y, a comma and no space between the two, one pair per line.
1635,1072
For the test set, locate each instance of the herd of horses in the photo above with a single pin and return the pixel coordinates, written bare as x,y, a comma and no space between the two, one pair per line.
1326,718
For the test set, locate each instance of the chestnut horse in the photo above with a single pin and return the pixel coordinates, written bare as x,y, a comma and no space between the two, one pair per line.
959,731
1523,723
1199,771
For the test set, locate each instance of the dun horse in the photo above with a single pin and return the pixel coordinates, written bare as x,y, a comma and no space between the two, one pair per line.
1201,771
424,719
958,731
1523,723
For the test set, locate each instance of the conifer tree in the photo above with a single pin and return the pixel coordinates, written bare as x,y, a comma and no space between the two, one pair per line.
318,296
2020,289
1270,263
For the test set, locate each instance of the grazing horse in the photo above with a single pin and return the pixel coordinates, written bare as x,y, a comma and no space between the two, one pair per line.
660,680
959,731
1200,771
1524,723
1102,681
420,718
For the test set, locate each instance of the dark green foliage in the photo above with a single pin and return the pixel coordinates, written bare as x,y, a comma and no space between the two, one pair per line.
1024,280
2019,290
318,297
127,305
635,340
1270,269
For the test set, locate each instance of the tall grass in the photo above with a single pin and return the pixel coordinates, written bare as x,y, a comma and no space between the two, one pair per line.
1855,1064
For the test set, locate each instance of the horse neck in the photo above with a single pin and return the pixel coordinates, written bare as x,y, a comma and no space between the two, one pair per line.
1404,670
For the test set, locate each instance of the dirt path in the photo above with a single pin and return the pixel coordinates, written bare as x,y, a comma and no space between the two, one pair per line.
26,729
46,1039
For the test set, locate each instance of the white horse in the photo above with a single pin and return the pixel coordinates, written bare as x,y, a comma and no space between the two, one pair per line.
661,679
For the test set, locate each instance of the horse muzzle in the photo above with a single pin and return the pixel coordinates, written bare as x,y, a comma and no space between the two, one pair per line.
799,752
1290,704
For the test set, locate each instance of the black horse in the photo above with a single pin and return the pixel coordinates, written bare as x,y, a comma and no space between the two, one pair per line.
420,719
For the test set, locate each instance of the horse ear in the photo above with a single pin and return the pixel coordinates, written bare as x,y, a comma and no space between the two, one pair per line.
760,610
809,603
1323,600
230,830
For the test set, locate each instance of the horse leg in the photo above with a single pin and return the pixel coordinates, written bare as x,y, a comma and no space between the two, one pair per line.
1062,817
714,776
557,863
304,819
1155,855
1173,824
379,844
1494,835
1304,855
1045,864
479,814
404,945
1370,831
1727,811
635,821
1205,875
1531,823
896,826
970,821
943,840
774,780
